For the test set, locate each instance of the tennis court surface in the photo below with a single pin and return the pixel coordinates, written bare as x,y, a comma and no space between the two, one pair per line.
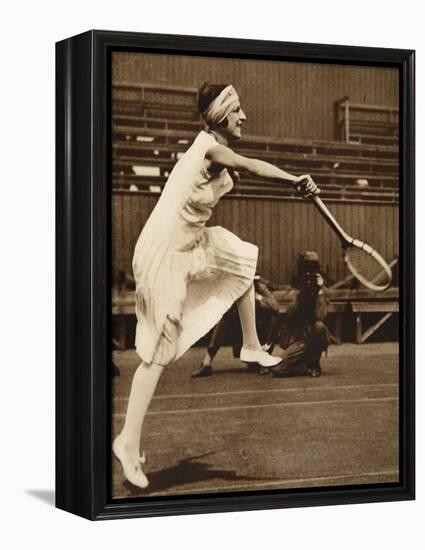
239,431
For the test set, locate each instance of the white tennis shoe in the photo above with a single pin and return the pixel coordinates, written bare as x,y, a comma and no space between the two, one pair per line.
132,466
260,357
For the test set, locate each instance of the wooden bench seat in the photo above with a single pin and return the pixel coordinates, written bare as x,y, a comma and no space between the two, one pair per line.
167,164
152,109
126,180
307,146
148,153
189,124
142,99
375,123
146,150
373,138
377,127
360,302
251,192
262,190
322,178
120,121
387,309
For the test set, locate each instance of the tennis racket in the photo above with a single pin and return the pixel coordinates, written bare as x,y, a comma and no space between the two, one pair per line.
366,265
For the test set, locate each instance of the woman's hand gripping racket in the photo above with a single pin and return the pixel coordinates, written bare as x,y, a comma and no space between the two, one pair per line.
362,260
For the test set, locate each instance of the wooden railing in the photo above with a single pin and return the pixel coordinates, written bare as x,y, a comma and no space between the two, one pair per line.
367,124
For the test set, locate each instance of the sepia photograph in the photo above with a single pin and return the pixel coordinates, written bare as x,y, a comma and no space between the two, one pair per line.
210,218
254,274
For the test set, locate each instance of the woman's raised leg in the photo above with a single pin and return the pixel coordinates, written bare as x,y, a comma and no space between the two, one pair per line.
251,351
127,445
246,309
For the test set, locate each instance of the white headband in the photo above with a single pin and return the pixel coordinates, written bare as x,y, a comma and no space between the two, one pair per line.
221,107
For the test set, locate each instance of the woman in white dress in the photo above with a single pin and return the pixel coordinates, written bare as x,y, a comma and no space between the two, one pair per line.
188,275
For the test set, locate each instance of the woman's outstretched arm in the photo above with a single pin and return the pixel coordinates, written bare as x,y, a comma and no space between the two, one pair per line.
224,156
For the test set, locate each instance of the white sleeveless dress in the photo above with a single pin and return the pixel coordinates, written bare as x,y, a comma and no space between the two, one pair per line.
187,275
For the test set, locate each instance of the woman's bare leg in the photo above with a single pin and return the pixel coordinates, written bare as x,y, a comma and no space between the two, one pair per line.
251,351
127,445
246,309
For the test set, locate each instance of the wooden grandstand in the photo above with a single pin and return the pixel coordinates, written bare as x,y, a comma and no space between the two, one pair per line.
152,126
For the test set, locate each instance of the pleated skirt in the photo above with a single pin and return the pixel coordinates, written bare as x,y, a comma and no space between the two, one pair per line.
215,272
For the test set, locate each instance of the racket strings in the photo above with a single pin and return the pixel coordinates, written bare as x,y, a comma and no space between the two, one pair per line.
368,267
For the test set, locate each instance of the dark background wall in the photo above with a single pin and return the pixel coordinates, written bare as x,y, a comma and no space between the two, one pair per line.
281,228
281,99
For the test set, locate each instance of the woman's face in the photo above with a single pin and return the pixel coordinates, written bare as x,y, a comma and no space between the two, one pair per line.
235,121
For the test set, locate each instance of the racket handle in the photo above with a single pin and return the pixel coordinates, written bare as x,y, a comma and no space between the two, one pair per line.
345,238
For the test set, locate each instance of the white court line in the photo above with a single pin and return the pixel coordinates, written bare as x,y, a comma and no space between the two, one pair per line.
268,405
281,483
271,390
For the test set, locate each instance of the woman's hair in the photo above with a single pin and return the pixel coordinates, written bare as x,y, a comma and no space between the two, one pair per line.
207,93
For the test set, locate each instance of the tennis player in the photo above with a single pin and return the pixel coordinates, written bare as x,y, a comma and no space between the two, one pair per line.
188,275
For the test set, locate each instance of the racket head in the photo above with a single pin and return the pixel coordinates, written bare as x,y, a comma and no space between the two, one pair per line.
367,265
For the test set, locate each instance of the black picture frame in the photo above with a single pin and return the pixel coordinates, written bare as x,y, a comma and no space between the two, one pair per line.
82,292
